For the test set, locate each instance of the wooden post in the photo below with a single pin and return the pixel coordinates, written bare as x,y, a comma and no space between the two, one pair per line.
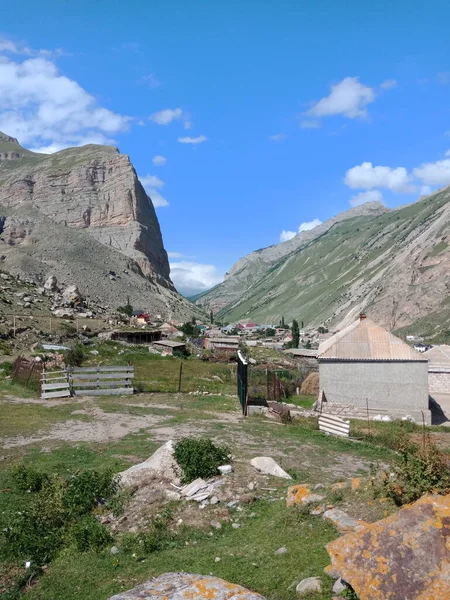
179,379
50,324
267,385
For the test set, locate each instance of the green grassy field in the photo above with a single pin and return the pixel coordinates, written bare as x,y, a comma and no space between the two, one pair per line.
67,436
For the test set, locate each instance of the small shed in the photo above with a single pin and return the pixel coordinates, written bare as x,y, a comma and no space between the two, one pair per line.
438,369
365,367
169,347
227,344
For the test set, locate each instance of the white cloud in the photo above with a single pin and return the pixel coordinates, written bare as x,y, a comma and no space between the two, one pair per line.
166,116
388,84
425,190
152,184
48,111
310,124
363,197
277,137
152,181
192,277
349,98
159,161
309,225
437,173
192,140
187,124
447,153
287,235
150,80
174,255
9,47
367,177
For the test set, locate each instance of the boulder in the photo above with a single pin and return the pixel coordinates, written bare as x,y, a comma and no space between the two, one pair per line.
72,294
51,284
342,522
308,586
301,494
185,586
266,465
161,464
405,555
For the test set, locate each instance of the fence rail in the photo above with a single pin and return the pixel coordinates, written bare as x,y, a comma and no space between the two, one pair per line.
101,381
55,384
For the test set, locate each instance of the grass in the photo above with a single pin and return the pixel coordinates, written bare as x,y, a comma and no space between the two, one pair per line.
302,400
25,419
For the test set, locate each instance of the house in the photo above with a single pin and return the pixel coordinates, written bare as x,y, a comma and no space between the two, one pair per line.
228,344
438,369
168,330
247,327
169,347
365,368
306,357
142,319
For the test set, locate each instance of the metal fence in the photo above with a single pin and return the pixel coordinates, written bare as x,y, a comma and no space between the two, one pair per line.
27,372
242,381
101,381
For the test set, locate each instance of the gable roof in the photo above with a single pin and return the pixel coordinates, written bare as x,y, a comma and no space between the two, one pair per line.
364,340
438,355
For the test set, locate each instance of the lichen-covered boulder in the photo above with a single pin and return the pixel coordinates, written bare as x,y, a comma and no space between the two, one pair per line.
301,494
406,555
342,522
185,586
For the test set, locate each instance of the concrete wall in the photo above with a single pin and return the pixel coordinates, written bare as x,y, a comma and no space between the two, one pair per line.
439,380
396,387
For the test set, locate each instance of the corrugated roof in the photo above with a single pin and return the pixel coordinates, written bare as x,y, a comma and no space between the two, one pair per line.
438,355
364,340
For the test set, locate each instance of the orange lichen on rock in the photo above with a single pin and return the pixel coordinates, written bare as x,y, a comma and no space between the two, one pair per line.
405,555
356,483
297,493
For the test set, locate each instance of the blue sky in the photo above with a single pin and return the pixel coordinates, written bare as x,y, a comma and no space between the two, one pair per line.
268,114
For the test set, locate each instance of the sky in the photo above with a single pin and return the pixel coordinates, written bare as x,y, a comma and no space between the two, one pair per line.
247,121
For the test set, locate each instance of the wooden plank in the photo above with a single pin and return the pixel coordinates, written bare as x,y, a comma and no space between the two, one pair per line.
104,392
93,384
59,394
100,368
52,379
76,377
55,386
45,373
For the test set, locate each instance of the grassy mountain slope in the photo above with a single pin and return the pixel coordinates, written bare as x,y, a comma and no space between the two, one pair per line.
394,266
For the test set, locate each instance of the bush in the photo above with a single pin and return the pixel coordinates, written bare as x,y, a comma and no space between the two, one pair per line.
199,457
421,470
75,356
58,514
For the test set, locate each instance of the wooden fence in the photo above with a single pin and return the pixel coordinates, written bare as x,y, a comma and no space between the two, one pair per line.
55,384
101,381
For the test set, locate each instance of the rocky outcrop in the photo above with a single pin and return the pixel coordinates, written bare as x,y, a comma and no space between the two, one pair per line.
80,214
406,555
184,586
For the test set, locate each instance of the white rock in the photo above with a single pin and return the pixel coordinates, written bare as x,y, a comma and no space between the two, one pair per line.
308,585
339,586
225,469
114,550
51,284
160,464
266,465
282,550
236,525
214,500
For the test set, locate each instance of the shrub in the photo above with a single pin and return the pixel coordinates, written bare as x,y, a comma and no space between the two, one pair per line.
421,470
58,514
75,356
199,457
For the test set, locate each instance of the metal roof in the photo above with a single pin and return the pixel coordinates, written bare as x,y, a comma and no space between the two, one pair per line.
169,344
364,340
307,352
438,355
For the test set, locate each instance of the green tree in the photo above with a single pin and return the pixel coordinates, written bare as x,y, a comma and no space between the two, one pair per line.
211,317
127,309
190,330
302,325
282,324
295,334
322,329
308,344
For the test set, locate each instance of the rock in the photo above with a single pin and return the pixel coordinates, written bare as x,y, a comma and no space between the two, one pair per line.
51,284
282,550
63,312
185,586
225,469
266,465
72,294
317,511
217,559
342,522
319,486
216,524
251,486
114,550
309,585
340,485
301,494
405,555
214,500
339,586
235,525
252,361
161,464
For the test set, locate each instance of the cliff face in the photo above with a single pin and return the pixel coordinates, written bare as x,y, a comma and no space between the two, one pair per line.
92,192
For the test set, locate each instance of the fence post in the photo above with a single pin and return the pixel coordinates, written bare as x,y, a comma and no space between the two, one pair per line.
179,378
267,385
30,373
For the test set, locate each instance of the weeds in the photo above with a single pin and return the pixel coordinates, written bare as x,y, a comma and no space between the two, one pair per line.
199,457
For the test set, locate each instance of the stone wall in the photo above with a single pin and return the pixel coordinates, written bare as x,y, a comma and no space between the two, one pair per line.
439,380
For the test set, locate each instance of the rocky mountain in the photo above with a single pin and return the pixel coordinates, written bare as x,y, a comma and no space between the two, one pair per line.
82,215
391,264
